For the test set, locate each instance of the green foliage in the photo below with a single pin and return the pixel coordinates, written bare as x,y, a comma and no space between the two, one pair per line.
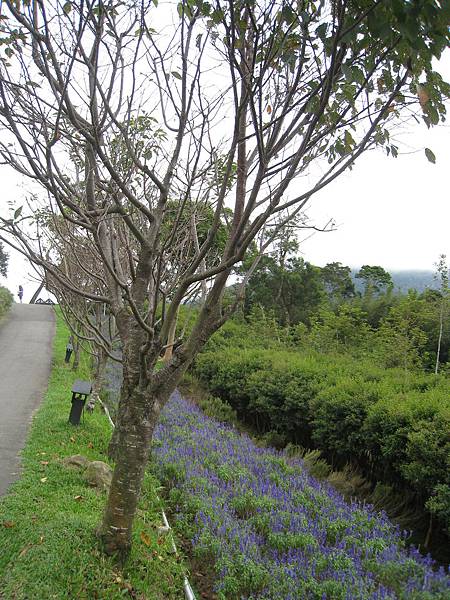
6,299
428,453
181,216
375,279
337,282
218,409
398,345
343,329
4,258
439,504
338,414
292,290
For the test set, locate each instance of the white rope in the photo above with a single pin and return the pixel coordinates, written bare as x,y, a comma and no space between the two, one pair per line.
106,411
188,592
187,586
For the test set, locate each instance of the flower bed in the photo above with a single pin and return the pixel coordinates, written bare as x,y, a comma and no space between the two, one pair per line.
271,531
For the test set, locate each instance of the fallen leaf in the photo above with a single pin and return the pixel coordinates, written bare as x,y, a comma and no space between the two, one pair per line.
44,462
44,479
90,445
25,550
72,439
78,497
41,539
8,524
145,538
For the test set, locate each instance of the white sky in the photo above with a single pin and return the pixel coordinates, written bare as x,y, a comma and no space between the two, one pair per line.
389,212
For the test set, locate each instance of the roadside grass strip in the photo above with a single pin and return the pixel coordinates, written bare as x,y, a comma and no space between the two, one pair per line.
271,531
48,546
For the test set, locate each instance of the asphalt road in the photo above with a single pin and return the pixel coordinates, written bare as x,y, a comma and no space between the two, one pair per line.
25,360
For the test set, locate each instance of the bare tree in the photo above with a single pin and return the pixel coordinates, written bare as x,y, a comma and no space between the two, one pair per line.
246,107
442,273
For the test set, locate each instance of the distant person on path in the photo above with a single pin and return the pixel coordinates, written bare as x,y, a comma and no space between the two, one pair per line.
20,293
69,349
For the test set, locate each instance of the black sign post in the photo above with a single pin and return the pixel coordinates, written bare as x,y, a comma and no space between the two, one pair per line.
80,392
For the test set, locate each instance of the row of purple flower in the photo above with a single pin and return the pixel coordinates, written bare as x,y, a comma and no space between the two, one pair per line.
270,530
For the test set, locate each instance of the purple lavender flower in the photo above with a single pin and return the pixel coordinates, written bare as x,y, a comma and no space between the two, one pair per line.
271,530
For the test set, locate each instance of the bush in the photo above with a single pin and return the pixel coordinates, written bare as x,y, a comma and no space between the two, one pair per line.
338,416
6,299
218,409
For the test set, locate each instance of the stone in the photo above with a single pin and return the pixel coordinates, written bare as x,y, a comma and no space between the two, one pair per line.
98,474
77,460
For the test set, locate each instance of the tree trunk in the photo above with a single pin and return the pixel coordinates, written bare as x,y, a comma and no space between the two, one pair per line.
113,446
134,433
37,292
441,325
100,364
429,532
76,355
170,340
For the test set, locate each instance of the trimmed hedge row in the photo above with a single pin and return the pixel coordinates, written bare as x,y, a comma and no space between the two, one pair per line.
394,425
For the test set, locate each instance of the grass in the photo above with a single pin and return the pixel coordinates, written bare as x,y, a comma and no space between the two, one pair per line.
49,549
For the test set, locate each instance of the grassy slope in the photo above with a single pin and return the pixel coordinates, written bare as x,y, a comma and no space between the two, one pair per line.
47,522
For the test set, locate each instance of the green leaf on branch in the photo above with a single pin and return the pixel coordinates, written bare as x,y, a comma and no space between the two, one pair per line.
430,155
321,31
347,72
67,8
176,74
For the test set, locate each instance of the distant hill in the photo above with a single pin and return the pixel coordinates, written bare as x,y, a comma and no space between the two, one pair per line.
418,280
406,280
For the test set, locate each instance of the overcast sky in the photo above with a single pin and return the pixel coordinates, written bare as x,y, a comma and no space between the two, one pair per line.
389,212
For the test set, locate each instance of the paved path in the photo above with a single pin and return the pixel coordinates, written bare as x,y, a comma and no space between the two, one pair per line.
25,359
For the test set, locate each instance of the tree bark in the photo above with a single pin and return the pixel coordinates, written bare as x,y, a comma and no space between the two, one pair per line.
100,364
170,339
135,430
37,292
76,355
441,325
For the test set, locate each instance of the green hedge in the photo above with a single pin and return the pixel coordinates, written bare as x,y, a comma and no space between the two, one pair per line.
6,299
392,424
